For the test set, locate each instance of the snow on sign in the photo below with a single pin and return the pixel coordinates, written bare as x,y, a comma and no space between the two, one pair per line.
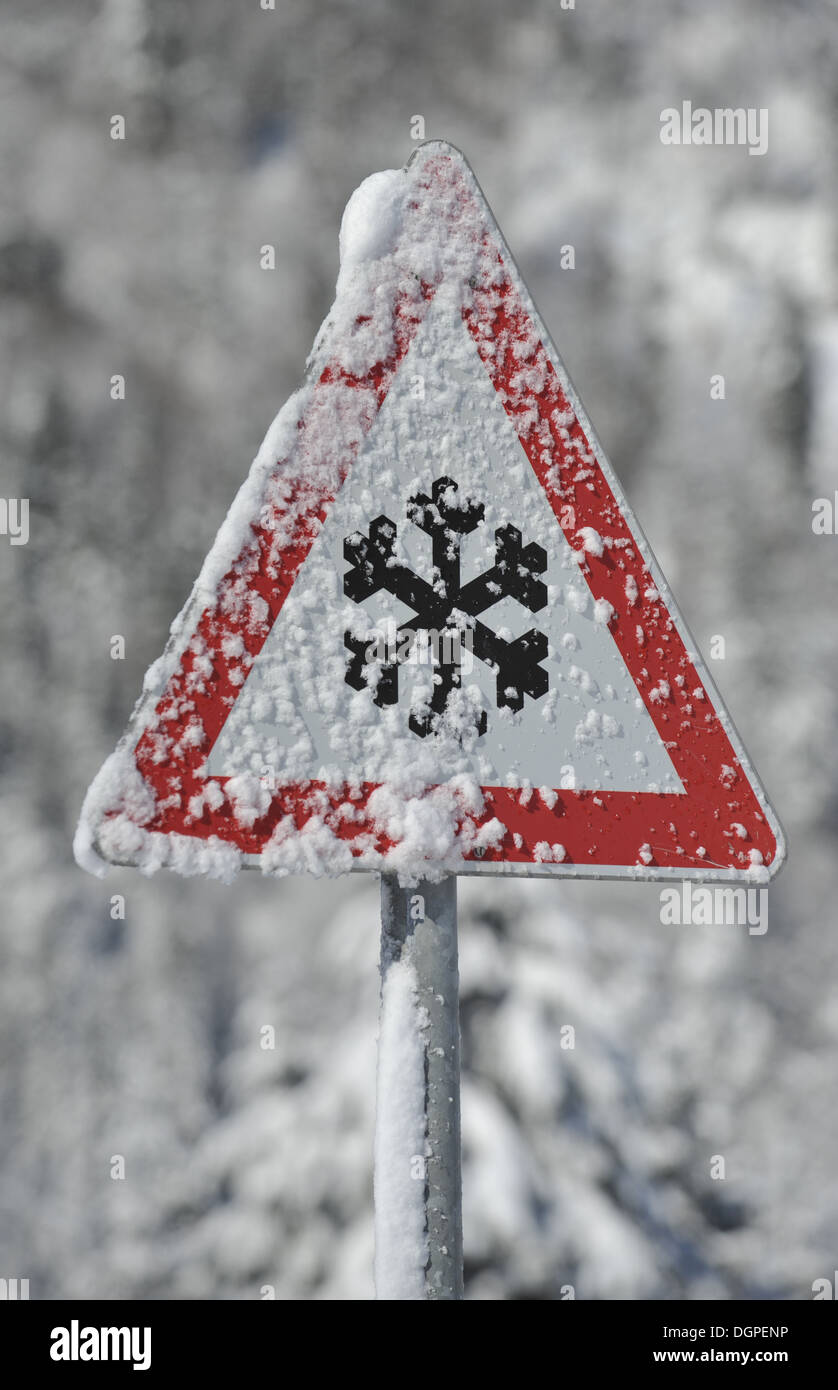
430,638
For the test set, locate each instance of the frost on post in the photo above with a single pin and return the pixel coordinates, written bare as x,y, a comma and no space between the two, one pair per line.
447,607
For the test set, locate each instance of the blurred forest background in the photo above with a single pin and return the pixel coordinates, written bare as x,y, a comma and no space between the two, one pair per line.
248,1167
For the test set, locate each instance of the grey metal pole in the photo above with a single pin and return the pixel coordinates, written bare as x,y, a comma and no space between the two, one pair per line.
418,1195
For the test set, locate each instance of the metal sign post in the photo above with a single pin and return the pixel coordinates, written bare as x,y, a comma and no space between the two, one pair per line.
418,1189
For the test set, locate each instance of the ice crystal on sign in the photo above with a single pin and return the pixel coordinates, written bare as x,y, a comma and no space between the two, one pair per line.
446,608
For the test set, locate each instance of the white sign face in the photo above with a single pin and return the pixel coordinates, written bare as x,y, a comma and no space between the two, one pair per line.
430,637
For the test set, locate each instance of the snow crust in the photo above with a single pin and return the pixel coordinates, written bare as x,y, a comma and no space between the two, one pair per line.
401,1244
295,719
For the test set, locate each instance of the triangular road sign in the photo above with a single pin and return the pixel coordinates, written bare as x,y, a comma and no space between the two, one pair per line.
430,636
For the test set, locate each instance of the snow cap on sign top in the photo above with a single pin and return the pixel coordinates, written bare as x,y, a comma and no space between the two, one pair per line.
430,637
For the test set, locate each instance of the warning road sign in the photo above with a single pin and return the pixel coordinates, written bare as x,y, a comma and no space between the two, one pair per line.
430,635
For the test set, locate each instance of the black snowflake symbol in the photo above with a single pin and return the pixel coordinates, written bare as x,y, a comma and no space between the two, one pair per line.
447,606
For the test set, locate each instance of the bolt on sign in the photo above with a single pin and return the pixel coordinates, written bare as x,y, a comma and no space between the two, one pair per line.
430,637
